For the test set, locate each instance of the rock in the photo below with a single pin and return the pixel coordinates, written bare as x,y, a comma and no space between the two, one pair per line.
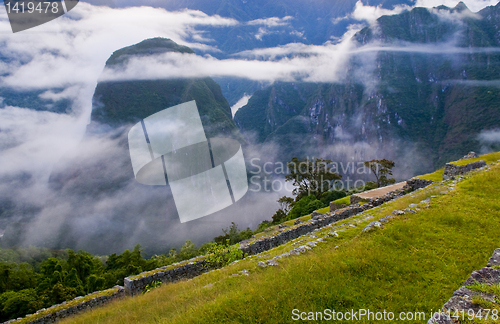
440,318
495,259
297,222
471,155
412,205
398,212
262,264
372,226
352,225
409,210
301,249
383,220
244,272
485,275
322,240
272,263
311,244
315,215
334,233
313,236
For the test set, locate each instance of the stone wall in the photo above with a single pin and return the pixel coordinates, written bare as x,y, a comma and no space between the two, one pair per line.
414,184
65,312
334,206
452,170
355,199
462,298
135,285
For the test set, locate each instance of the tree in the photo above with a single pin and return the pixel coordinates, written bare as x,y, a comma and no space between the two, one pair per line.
381,169
188,251
311,177
233,235
279,216
285,206
285,203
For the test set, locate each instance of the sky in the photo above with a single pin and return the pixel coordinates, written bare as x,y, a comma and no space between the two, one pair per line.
65,59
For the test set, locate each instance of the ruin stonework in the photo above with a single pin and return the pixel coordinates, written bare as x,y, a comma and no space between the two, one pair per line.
461,301
452,170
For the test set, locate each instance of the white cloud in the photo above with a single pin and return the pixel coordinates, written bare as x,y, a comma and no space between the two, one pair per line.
371,14
73,49
297,33
68,93
271,22
261,32
70,53
33,141
473,5
490,136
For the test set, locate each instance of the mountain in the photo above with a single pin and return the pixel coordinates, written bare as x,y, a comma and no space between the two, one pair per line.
119,103
100,205
434,88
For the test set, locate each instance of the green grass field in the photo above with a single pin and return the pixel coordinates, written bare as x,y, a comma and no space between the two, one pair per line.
414,263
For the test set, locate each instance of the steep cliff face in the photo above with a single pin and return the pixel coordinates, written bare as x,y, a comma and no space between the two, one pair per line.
430,83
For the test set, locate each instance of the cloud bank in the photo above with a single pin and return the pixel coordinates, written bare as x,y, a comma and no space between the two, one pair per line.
68,55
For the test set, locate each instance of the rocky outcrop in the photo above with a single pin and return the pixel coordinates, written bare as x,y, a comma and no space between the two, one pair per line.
461,302
452,170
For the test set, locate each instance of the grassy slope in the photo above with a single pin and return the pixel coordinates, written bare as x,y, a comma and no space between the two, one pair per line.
415,263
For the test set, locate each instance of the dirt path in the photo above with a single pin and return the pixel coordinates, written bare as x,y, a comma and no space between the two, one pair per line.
375,193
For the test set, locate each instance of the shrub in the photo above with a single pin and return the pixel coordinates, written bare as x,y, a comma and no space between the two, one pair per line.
219,255
151,286
304,206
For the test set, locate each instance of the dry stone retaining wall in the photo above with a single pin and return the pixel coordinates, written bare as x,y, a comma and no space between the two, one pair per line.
462,298
89,304
136,284
452,170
